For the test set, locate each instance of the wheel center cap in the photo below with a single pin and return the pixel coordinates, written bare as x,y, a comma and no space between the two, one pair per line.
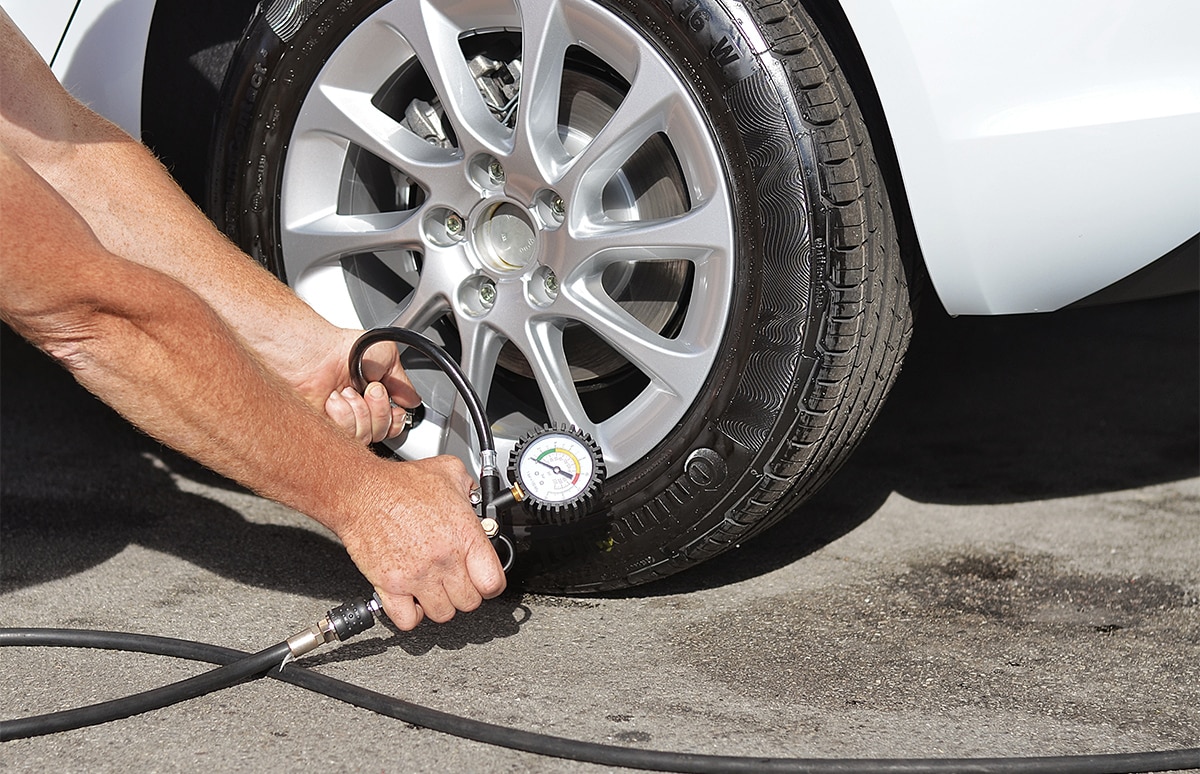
505,236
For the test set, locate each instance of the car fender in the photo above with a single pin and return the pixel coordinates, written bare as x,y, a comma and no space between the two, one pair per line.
1046,168
101,55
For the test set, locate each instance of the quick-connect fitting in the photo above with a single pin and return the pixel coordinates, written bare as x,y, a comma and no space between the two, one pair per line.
488,463
341,623
354,617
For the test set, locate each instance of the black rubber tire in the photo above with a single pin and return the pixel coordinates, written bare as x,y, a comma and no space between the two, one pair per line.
822,312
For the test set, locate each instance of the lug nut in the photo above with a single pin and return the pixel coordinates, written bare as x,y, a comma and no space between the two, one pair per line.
487,294
558,206
454,224
550,283
496,171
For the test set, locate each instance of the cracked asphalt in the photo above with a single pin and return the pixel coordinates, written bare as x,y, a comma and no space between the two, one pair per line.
1009,565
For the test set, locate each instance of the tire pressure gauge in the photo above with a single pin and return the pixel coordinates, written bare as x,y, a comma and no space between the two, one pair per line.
556,471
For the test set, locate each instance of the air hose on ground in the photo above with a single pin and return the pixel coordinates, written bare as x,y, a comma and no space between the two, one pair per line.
352,618
267,660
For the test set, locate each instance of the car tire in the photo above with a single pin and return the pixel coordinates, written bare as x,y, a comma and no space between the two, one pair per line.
720,301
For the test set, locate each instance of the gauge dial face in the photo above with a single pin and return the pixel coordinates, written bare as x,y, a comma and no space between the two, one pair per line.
556,468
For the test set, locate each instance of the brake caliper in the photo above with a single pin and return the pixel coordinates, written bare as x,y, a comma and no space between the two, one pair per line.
499,84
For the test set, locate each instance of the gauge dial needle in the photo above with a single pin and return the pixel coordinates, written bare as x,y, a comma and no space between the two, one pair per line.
556,469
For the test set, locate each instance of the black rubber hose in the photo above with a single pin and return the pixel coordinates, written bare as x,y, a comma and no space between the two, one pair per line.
475,407
609,755
233,672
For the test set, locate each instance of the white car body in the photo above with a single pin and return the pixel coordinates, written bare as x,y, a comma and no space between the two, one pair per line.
1047,149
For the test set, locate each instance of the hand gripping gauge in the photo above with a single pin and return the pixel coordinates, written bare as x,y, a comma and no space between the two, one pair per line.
556,472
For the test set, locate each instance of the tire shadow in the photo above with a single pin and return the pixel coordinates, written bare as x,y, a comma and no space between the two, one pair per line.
992,410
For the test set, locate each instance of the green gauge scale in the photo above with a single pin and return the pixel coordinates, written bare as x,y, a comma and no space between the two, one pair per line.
556,471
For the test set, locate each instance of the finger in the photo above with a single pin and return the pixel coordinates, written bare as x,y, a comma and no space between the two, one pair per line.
436,604
337,409
453,469
348,410
462,592
379,411
484,569
398,414
362,414
381,363
402,609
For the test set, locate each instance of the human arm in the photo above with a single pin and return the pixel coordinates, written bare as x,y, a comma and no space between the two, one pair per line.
154,350
137,211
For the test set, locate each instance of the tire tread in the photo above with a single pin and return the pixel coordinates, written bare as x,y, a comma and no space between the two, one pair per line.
870,318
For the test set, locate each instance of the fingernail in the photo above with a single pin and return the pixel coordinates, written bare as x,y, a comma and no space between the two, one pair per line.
376,390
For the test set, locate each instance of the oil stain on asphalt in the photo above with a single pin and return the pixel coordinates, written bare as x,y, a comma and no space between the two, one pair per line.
1013,636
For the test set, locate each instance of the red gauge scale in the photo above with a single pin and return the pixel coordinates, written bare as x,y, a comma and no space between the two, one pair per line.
556,472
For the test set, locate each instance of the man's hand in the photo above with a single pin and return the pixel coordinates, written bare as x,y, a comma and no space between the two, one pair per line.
317,366
379,413
423,549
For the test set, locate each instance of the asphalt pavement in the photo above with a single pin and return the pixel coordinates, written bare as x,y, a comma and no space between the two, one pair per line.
1008,566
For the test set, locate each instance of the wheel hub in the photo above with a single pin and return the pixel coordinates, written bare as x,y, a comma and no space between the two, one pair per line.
504,236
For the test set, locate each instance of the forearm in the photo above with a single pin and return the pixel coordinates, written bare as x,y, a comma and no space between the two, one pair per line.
144,217
181,376
141,215
172,367
155,352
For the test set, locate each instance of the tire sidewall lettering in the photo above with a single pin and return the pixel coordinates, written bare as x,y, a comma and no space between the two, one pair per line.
703,473
714,34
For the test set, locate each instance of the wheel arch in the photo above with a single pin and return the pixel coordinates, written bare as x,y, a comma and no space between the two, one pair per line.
188,50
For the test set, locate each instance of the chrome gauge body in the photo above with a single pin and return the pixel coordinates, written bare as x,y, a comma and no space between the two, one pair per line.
557,471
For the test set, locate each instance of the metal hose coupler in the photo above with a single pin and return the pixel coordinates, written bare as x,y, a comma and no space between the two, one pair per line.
341,623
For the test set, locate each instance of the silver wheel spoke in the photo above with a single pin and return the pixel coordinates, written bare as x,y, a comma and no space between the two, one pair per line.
670,363
481,347
420,310
694,236
543,46
329,237
543,346
430,299
643,112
